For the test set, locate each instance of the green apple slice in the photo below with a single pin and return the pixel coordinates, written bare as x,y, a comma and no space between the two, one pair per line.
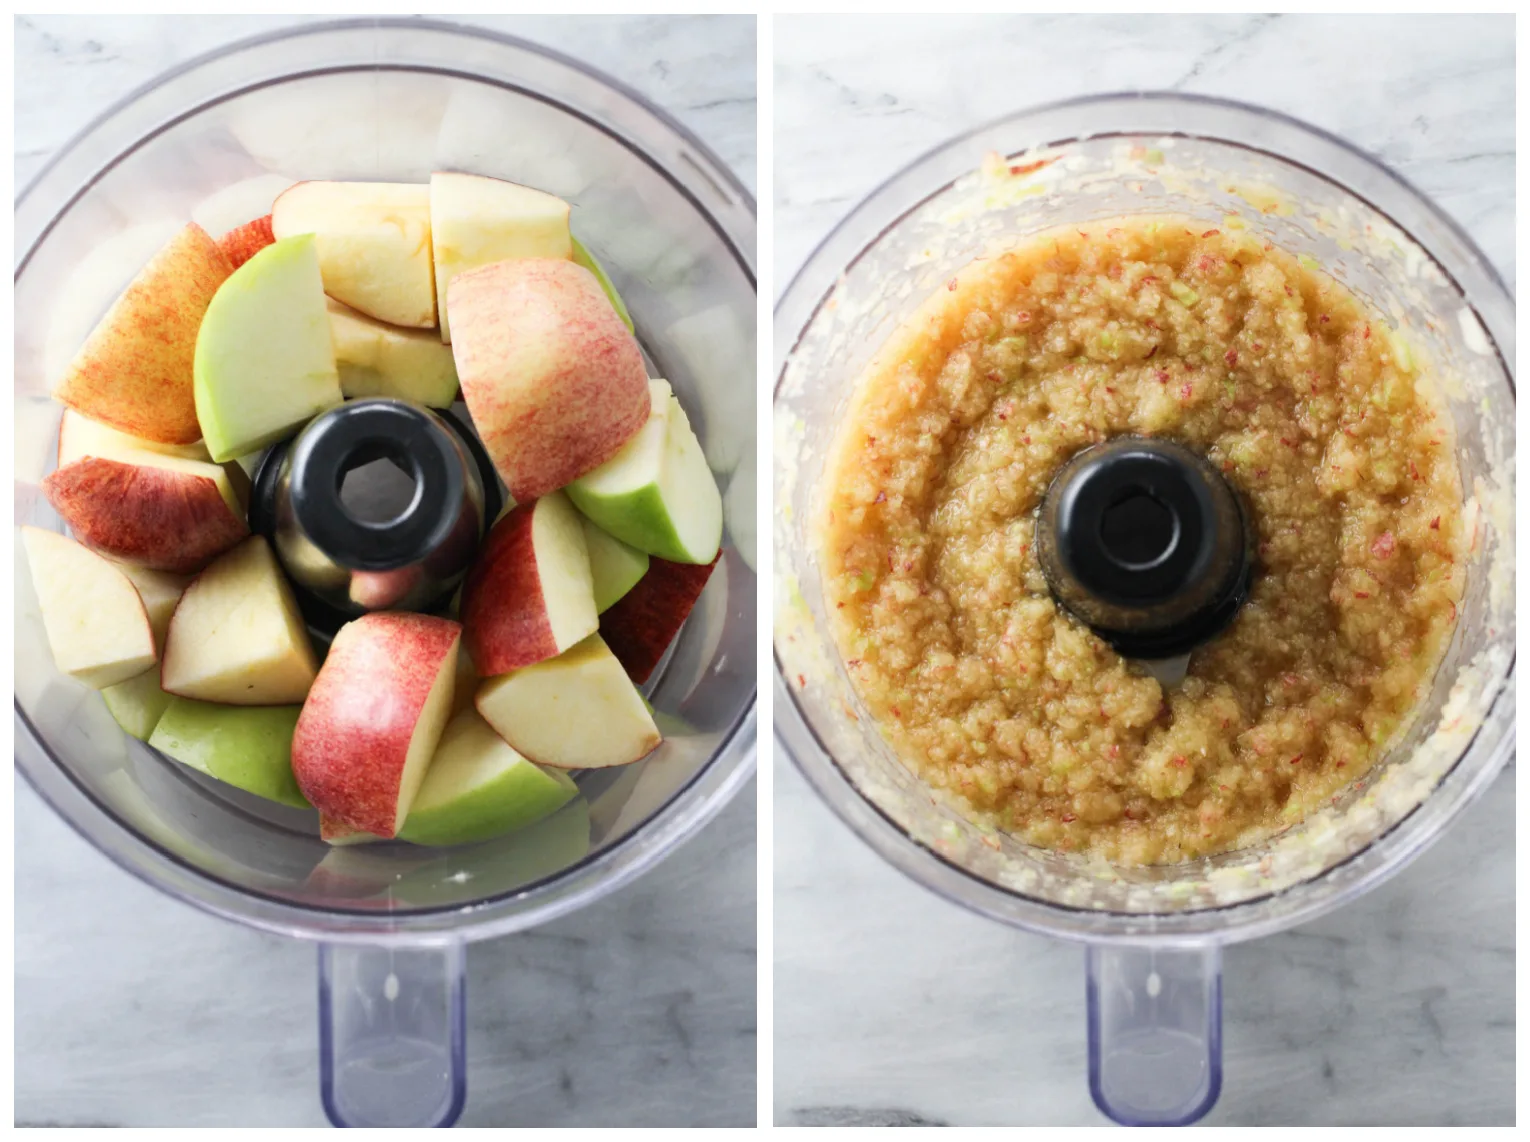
478,788
249,747
265,360
657,494
138,704
586,259
615,566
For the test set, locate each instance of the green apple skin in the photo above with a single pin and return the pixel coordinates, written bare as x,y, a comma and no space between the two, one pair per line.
138,704
479,788
615,566
657,494
249,747
265,357
586,259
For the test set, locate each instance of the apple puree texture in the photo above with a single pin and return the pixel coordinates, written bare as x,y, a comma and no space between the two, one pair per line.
1313,408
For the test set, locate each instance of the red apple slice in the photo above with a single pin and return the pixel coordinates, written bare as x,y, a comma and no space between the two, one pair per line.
576,711
641,624
373,718
134,371
154,510
530,594
96,624
554,382
237,637
242,243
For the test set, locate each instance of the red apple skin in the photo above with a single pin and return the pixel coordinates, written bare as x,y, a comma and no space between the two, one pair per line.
504,615
554,381
156,518
134,371
640,625
352,737
242,243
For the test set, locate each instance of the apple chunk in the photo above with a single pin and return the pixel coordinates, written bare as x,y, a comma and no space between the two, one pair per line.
79,436
586,259
478,788
529,595
576,711
555,383
476,221
95,622
265,362
137,704
236,636
160,592
135,370
373,244
640,627
242,243
150,509
378,360
657,493
374,717
615,567
248,747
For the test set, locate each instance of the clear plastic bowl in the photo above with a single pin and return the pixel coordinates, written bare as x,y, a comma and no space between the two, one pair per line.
214,141
1153,934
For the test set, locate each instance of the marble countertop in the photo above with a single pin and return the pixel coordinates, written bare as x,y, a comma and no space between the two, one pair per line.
893,1007
134,1010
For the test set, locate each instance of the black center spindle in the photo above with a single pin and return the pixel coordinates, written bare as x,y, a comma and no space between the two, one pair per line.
1143,540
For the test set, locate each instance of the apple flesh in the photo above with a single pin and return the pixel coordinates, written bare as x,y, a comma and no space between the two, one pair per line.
135,370
476,221
583,257
95,622
160,592
576,711
248,747
553,380
137,704
479,788
374,717
373,241
529,595
657,493
242,243
265,362
236,636
640,627
79,436
615,567
378,360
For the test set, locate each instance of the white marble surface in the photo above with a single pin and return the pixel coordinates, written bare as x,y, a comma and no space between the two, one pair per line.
894,1007
132,1010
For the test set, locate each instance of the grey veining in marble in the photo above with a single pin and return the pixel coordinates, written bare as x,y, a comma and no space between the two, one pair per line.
893,1007
134,1010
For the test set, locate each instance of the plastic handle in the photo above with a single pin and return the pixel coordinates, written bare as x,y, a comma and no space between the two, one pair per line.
391,1035
1155,1033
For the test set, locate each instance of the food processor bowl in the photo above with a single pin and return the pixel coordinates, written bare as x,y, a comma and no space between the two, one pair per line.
214,142
1153,934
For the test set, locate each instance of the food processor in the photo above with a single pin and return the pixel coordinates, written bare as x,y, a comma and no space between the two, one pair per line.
214,142
1153,935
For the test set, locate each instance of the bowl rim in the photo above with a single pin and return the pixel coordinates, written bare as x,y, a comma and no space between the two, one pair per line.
1392,849
690,807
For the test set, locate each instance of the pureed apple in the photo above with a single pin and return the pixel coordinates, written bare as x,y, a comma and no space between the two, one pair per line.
413,726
